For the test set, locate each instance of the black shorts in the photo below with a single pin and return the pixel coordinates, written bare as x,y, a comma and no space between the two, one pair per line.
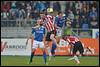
78,47
48,35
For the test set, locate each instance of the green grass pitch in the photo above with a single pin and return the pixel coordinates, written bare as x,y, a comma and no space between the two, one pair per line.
38,61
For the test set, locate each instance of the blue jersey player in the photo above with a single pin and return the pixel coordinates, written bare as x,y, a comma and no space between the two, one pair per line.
38,33
60,22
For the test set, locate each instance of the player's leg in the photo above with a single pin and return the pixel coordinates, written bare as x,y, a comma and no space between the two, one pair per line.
54,44
81,49
89,50
32,54
47,42
58,37
41,45
74,52
33,50
75,48
48,49
71,49
53,49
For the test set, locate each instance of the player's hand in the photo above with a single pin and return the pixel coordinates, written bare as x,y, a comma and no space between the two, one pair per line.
26,43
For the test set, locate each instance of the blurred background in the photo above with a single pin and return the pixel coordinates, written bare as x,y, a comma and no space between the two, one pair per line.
17,17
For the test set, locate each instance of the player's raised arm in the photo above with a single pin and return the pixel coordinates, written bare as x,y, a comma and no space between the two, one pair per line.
53,39
29,37
45,34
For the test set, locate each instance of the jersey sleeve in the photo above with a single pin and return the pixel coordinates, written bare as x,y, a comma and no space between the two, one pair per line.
56,20
33,30
68,40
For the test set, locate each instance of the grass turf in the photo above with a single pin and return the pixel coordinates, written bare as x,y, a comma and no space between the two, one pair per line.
38,61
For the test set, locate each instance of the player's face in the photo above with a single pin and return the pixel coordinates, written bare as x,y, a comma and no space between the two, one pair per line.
60,15
42,15
38,22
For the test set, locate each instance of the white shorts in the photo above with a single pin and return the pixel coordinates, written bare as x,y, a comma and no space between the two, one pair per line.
59,32
37,44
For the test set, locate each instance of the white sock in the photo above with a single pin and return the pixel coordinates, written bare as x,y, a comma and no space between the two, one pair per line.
49,51
71,58
76,59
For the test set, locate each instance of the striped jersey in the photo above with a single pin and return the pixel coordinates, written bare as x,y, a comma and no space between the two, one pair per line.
72,39
49,22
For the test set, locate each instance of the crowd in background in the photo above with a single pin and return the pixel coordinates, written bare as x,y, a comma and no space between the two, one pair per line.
83,14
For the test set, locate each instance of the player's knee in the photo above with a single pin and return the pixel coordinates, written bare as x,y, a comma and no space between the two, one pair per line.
46,43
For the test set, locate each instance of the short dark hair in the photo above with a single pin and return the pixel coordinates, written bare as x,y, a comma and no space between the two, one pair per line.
59,12
41,12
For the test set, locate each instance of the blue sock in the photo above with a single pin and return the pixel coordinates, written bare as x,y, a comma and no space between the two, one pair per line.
54,45
53,49
44,56
53,52
32,54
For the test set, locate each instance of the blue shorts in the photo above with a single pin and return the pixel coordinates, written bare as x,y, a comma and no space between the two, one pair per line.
54,46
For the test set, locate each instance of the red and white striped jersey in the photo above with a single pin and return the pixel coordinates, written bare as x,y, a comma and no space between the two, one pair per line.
72,39
49,22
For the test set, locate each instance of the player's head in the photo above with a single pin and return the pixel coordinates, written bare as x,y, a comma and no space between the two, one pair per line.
39,22
60,14
42,14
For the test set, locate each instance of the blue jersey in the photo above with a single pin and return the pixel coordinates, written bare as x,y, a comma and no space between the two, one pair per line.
38,33
60,21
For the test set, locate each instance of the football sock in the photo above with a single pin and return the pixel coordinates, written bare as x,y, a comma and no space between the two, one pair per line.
44,56
49,52
76,59
32,54
53,49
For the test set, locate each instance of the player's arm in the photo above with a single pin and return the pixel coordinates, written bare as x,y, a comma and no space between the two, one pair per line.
53,39
55,22
56,42
45,34
56,25
29,37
